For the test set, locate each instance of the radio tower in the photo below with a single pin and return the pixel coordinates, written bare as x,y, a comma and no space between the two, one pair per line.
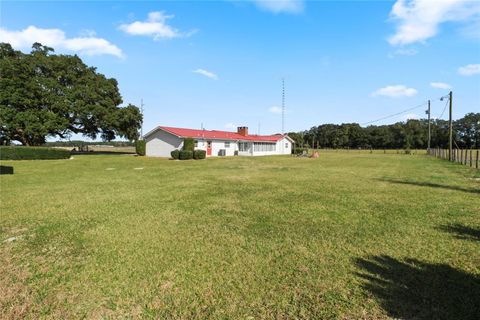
283,106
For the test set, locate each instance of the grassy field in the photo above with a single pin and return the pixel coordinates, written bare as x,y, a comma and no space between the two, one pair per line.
346,236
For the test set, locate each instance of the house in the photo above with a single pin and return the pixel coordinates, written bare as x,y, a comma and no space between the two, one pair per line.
161,141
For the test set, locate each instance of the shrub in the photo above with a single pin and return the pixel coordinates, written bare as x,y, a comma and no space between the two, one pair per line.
185,155
32,153
140,147
299,151
199,154
188,144
175,154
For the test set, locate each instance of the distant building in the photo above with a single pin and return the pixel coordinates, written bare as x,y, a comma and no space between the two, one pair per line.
163,140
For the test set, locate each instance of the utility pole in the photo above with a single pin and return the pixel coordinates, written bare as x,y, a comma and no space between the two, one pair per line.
429,132
450,128
141,111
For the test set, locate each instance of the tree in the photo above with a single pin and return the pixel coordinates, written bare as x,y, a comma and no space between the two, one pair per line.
43,94
468,131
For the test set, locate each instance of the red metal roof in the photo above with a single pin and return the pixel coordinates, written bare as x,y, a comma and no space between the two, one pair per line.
221,135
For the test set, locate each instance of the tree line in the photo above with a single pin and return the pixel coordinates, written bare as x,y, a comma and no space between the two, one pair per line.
411,134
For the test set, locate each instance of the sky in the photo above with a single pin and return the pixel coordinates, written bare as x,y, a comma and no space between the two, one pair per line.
221,63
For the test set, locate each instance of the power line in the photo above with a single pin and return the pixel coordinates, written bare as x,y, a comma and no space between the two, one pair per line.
444,108
394,115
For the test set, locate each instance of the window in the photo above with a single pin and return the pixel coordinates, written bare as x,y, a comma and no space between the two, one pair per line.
196,143
286,145
264,147
227,144
243,146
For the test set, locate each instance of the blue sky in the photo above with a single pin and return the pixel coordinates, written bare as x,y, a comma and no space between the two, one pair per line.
220,63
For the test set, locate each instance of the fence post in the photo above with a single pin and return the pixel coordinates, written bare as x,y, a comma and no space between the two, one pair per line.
476,165
471,160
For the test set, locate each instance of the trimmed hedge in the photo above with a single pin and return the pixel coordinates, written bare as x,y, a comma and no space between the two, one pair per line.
140,147
199,154
175,154
32,153
188,144
185,155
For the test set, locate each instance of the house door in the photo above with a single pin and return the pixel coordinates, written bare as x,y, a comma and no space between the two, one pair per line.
209,148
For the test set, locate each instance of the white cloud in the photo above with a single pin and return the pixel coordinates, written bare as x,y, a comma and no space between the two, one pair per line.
155,26
395,91
419,20
440,85
206,73
275,110
281,6
469,70
87,44
230,126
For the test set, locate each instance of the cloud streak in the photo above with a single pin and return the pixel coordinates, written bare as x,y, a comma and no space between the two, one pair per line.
440,85
88,44
206,73
469,70
395,91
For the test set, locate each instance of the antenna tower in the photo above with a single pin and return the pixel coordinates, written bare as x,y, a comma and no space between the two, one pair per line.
283,105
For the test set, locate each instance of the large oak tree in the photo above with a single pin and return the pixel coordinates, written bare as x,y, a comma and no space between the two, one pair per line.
43,94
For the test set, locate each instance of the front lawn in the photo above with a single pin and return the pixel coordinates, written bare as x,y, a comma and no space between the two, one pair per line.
348,235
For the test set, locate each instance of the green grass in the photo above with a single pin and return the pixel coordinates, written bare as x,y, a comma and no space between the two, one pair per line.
348,235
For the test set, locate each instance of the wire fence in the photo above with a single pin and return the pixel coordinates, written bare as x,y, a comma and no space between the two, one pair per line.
467,157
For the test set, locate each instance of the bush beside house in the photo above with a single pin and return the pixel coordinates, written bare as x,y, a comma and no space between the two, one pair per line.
199,154
188,151
188,144
140,147
185,155
175,154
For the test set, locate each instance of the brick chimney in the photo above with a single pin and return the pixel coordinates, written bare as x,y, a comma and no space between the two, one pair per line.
243,131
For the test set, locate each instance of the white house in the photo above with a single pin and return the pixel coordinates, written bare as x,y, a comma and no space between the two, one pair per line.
163,140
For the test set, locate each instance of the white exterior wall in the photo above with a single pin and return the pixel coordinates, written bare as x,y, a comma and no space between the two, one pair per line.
217,145
284,146
161,144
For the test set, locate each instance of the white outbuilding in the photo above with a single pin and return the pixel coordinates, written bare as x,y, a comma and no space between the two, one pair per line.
161,141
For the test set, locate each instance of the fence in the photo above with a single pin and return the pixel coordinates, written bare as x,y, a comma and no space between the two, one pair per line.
467,157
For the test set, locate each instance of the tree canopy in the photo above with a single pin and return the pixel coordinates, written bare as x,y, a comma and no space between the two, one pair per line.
43,94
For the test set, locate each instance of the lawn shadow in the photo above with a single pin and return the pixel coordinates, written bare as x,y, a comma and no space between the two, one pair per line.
433,185
462,232
413,289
